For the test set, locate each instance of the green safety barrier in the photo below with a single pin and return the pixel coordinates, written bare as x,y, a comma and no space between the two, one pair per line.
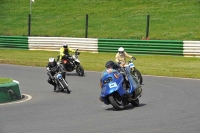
10,92
16,42
161,47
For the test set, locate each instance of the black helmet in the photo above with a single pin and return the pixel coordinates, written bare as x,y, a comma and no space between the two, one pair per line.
109,64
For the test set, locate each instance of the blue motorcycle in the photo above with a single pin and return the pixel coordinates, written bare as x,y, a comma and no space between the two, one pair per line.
117,91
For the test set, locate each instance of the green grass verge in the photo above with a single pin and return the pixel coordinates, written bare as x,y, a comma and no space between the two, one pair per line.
126,19
4,80
159,65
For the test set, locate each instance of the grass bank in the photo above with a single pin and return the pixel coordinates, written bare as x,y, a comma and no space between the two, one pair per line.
159,65
126,19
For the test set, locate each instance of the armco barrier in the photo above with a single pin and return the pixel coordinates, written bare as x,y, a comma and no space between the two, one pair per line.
191,48
161,47
10,92
16,42
54,43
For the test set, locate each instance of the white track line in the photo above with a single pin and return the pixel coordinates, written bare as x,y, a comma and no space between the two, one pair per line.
29,98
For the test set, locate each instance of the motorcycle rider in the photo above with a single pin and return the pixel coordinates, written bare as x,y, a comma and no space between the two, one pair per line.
113,65
64,51
52,68
120,57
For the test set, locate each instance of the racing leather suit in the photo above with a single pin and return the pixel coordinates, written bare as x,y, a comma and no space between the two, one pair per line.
51,71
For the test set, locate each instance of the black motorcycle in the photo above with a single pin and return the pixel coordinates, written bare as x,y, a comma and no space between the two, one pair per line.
71,63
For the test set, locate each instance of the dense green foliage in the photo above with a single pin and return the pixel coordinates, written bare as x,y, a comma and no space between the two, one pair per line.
169,20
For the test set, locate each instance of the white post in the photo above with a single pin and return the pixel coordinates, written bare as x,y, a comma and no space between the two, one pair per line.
30,6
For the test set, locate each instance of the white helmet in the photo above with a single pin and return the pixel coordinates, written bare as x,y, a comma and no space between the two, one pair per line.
51,59
65,45
52,62
121,50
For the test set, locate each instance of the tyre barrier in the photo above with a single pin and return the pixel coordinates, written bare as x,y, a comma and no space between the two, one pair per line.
10,92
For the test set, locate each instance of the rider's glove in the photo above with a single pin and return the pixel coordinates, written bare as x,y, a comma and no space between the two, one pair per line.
133,58
48,69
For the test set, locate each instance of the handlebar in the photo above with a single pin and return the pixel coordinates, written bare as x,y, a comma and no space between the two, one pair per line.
76,52
133,58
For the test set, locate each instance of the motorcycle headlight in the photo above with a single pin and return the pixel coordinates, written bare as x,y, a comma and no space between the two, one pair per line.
64,61
59,76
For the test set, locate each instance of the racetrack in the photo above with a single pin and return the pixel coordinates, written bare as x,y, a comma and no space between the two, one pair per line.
168,105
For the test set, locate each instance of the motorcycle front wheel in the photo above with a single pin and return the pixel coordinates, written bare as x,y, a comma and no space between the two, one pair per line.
116,102
138,75
65,86
80,70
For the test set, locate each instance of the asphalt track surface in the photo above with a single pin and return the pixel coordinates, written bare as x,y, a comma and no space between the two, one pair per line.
168,105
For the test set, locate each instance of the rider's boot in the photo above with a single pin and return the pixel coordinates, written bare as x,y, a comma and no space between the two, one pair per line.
56,89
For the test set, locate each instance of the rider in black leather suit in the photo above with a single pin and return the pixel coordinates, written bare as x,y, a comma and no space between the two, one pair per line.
52,69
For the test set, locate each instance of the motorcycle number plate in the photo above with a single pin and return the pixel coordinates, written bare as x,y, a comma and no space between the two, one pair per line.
112,85
131,65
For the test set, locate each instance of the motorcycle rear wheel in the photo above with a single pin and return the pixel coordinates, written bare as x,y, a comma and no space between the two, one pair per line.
117,103
80,70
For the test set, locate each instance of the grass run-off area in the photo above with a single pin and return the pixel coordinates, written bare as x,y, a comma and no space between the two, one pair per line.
4,80
123,19
159,65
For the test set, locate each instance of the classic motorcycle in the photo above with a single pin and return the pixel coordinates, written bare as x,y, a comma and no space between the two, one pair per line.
135,71
61,82
71,63
114,89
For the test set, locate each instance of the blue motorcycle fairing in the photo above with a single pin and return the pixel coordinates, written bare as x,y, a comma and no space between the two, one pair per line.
112,87
109,87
